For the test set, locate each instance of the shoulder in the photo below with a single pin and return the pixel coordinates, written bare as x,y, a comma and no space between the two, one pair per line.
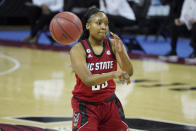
77,49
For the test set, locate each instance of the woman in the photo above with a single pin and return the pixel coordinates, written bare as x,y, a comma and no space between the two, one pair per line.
94,60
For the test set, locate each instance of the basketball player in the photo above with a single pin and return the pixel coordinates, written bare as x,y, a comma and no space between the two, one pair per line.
94,60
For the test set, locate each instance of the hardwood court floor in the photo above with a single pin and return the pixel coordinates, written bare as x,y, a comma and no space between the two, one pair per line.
36,85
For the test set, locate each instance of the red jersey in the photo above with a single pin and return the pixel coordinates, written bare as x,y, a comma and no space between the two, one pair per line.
97,64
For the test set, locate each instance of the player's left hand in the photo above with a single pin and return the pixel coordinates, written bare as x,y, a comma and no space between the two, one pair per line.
117,43
125,78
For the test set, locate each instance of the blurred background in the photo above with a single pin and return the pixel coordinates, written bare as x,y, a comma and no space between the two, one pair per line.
150,32
36,78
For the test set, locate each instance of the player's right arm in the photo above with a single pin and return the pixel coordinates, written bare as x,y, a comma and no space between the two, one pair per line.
79,65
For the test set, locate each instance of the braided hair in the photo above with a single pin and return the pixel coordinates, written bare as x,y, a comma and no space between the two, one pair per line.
91,11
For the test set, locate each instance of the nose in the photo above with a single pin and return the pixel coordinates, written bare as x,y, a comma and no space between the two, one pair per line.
103,26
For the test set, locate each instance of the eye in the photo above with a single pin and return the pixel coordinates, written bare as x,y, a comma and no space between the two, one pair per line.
99,23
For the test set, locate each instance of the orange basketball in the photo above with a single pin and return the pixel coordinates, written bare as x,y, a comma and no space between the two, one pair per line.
66,27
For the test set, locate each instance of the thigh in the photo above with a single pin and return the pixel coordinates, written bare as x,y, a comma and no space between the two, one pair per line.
34,12
84,117
115,119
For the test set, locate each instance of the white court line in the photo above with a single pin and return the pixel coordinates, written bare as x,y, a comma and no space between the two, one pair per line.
12,69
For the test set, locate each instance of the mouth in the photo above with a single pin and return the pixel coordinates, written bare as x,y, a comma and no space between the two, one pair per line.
103,33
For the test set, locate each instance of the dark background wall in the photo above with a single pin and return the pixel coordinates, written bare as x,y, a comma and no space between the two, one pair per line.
13,12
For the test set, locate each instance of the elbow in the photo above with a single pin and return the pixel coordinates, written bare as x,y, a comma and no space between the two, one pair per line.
131,73
88,82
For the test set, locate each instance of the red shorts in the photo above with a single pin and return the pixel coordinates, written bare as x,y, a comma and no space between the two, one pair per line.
105,116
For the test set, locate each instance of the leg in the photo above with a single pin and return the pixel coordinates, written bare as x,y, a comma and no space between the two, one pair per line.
174,37
83,118
193,41
114,120
43,22
175,32
34,13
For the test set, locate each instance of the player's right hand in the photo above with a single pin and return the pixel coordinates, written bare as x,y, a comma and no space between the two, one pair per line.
122,76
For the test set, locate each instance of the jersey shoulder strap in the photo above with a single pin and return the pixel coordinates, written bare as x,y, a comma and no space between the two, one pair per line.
109,46
85,44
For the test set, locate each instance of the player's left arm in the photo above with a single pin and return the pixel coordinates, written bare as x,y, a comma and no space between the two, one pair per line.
121,54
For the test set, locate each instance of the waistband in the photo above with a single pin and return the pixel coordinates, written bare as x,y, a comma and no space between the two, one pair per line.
86,102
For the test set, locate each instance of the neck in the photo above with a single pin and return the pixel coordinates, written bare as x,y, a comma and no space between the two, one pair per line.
95,42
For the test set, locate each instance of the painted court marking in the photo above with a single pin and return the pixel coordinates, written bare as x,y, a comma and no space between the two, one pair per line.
12,69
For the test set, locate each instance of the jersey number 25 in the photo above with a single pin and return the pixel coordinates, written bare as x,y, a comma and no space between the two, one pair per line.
99,87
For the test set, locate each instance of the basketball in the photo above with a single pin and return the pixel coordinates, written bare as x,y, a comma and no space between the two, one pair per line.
66,27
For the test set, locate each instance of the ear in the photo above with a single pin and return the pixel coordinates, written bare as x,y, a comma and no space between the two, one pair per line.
87,26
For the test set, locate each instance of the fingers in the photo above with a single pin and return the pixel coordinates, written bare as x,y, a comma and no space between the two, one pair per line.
123,81
124,78
114,36
127,78
118,45
129,82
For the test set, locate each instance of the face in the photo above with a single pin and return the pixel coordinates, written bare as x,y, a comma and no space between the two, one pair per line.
98,26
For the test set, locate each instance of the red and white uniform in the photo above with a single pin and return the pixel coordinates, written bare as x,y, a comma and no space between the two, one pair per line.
96,108
97,64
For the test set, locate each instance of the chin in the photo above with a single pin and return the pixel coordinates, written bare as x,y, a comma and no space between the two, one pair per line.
101,37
